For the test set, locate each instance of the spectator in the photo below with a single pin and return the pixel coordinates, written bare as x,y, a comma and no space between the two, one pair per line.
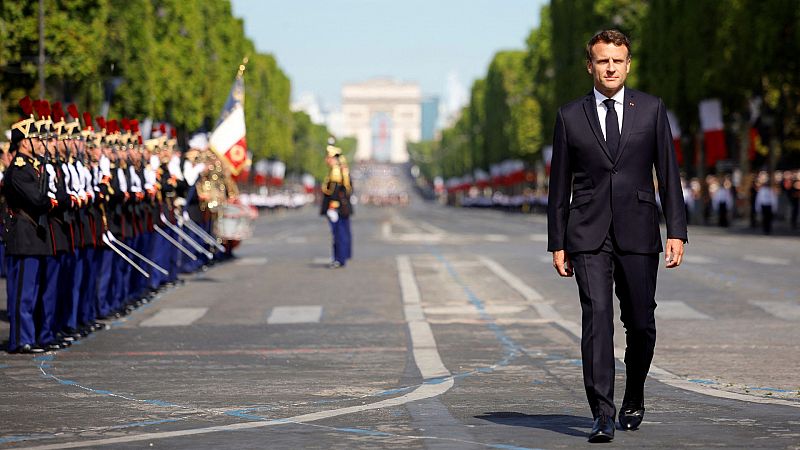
766,202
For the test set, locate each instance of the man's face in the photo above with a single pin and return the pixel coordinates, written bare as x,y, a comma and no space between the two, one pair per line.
62,148
609,67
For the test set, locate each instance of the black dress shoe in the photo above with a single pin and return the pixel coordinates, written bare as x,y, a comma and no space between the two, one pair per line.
602,430
53,347
631,418
28,348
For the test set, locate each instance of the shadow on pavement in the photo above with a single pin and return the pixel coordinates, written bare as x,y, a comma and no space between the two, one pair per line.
559,423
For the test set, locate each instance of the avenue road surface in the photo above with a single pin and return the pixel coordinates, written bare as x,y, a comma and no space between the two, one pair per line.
449,329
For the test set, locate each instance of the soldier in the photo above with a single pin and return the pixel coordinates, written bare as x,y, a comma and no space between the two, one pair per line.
85,283
192,169
27,235
336,204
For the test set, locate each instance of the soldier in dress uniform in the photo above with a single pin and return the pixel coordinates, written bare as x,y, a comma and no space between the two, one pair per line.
336,204
27,235
101,185
58,265
86,284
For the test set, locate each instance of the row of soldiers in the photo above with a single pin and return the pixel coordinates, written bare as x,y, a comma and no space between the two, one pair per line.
95,222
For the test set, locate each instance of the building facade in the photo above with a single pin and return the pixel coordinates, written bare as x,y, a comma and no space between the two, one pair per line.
384,115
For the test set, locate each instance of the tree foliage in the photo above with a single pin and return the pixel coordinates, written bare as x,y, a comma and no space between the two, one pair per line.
171,60
684,51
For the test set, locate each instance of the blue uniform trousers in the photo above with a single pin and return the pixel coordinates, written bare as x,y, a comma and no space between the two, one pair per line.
68,295
88,287
23,294
342,240
47,320
104,264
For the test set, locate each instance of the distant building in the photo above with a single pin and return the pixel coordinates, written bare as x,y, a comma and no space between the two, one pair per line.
430,117
309,104
384,115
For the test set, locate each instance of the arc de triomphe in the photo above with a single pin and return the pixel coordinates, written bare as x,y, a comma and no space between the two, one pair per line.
384,115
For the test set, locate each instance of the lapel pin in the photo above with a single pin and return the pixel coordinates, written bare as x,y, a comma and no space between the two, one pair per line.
631,103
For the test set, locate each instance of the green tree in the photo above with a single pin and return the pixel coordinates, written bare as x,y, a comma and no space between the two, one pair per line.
75,36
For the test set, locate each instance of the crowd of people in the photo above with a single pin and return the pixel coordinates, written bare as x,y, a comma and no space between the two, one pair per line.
380,184
97,220
716,200
720,199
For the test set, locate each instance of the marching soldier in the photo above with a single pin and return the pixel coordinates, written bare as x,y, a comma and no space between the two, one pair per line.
336,204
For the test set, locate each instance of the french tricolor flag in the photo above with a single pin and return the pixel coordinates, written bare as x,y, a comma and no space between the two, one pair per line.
228,138
713,131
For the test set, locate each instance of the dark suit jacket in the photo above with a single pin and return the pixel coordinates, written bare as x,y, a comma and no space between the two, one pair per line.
620,191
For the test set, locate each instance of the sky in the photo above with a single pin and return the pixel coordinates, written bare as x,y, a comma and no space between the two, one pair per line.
322,44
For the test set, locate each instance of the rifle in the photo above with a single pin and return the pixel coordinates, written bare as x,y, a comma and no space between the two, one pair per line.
44,182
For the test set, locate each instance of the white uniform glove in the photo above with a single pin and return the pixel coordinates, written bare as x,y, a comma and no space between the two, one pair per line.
333,215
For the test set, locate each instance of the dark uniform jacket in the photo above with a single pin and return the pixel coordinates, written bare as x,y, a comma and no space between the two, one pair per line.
336,190
61,217
27,203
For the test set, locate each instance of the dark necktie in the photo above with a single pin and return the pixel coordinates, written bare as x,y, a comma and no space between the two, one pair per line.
612,127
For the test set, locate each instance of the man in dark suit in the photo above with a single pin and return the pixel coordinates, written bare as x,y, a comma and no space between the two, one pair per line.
605,148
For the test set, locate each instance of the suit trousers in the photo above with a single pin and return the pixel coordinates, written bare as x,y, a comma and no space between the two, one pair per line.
633,277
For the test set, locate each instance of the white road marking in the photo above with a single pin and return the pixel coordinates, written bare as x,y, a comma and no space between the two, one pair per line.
422,392
295,314
468,309
656,372
321,261
456,264
768,260
171,317
496,238
386,230
296,240
539,237
781,309
429,227
418,237
426,356
691,258
676,309
251,261
531,295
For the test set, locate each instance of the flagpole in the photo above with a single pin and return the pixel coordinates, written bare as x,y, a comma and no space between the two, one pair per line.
242,67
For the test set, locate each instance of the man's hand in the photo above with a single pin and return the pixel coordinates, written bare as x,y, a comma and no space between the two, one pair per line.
673,254
561,263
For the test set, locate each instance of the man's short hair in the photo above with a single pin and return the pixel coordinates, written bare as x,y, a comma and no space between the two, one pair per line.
615,37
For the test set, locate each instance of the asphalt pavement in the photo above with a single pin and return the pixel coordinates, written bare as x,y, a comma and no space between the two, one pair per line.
448,329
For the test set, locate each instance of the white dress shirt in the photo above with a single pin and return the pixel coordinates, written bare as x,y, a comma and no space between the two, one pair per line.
619,97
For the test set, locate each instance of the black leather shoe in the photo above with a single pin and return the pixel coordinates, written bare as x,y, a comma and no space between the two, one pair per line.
631,418
28,348
53,347
602,430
